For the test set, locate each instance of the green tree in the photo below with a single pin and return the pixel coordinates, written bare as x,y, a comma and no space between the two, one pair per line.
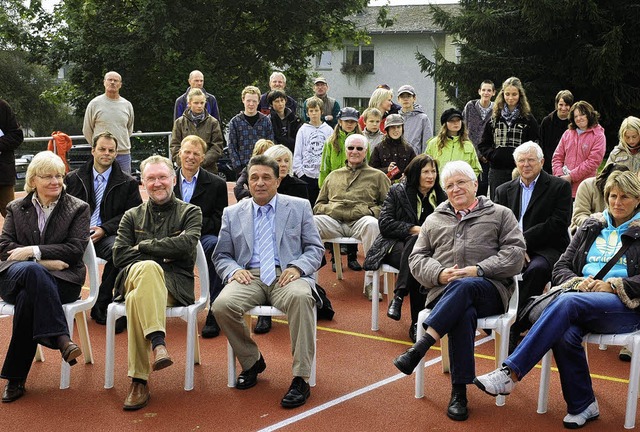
154,44
587,46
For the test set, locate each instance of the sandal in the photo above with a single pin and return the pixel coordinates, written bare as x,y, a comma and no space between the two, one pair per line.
70,353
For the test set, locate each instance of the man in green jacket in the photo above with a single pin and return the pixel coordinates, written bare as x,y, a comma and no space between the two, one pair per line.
156,250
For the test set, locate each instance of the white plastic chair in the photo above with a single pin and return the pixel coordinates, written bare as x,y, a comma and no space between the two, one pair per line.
388,272
269,311
631,341
337,241
500,324
73,311
187,313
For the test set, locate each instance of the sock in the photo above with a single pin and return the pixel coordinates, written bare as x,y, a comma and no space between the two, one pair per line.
139,380
459,389
423,345
156,338
61,341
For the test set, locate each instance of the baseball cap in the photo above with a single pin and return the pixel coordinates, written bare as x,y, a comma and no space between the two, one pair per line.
449,114
407,89
393,120
320,80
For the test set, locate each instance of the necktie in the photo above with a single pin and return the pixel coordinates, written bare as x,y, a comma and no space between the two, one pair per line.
95,217
265,246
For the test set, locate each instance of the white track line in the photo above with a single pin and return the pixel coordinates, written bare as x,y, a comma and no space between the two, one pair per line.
354,394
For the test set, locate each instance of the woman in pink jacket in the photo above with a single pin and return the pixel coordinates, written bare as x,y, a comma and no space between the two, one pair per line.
581,148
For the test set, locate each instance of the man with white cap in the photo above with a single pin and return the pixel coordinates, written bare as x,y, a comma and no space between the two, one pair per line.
330,107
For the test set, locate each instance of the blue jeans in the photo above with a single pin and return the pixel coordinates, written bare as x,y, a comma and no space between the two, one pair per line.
561,328
456,314
124,160
209,242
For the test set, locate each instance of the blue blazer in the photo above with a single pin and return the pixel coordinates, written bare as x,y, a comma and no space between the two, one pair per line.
297,238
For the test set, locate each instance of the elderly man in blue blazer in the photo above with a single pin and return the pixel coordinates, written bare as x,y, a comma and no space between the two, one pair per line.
267,252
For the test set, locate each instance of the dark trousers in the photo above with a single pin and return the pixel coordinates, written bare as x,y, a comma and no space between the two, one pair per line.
38,316
209,242
456,314
104,250
483,181
405,282
534,278
312,188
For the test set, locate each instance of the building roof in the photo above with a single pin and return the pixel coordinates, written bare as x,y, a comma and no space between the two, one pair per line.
407,19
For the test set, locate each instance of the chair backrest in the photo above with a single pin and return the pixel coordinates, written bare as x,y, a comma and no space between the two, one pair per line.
90,260
515,297
203,273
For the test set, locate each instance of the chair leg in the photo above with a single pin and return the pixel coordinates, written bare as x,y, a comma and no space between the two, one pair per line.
65,368
39,354
231,366
543,391
110,354
338,260
83,334
419,390
634,382
501,349
312,378
192,338
444,350
375,292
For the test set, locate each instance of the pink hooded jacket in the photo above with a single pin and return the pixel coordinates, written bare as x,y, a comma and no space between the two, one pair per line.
582,154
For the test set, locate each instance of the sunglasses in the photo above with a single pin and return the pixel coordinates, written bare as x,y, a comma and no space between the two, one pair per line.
351,148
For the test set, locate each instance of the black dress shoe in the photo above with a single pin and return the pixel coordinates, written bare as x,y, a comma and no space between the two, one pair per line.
407,361
354,265
395,308
249,378
413,330
13,391
99,315
458,407
297,395
263,325
121,324
211,328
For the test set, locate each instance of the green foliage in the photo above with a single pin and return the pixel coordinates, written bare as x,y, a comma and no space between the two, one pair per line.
587,46
154,44
32,92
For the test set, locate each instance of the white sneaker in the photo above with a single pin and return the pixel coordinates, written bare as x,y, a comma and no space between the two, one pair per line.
576,421
496,383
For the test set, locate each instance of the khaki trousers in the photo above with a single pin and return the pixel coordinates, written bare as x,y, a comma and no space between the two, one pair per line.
365,229
146,299
294,299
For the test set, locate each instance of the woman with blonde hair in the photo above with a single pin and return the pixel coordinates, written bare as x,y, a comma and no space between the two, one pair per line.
512,124
382,99
241,189
43,240
627,152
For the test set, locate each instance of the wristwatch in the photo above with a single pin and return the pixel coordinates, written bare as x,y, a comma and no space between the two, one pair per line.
479,271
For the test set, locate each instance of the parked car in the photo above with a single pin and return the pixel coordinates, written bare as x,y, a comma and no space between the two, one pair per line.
21,163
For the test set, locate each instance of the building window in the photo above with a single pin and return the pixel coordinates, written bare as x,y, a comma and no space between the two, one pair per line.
323,61
357,102
359,56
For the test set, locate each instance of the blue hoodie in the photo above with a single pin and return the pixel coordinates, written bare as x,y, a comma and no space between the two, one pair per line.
605,247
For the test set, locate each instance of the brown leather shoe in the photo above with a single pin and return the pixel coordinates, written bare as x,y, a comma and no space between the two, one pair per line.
161,358
138,397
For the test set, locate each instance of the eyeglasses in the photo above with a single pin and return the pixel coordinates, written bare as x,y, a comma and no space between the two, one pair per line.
351,148
161,179
48,178
459,184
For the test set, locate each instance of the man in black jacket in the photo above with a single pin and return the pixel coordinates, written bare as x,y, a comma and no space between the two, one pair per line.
209,192
109,192
11,137
542,204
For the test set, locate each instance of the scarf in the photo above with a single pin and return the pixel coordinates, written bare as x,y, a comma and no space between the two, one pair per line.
510,116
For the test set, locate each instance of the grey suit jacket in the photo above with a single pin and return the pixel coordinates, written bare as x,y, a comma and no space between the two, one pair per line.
297,238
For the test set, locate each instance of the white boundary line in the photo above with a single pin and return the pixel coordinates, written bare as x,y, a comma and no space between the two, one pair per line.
354,394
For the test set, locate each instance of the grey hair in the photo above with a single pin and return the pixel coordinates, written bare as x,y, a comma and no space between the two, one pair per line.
43,163
457,168
157,159
357,138
527,147
278,151
280,74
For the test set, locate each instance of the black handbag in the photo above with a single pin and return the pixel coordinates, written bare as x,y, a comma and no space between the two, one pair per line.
531,312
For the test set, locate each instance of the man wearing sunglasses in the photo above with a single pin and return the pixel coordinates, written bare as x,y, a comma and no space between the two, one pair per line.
350,200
